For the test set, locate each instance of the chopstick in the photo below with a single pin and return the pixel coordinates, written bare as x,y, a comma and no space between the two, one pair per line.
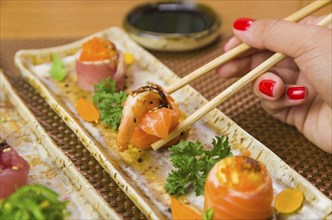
240,49
237,86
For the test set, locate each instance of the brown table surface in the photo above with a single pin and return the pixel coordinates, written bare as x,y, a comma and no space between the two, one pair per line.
40,24
244,108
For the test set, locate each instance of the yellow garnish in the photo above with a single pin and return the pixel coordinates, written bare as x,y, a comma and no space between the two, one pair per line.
2,119
129,58
288,201
87,110
44,204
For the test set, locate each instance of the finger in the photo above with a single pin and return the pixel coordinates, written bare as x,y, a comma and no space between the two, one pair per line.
290,38
231,43
312,20
269,87
234,42
294,95
242,65
231,68
287,75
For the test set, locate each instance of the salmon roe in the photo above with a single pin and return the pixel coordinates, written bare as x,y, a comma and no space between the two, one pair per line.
241,173
97,49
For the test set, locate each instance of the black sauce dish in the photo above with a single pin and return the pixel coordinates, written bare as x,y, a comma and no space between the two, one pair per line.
172,26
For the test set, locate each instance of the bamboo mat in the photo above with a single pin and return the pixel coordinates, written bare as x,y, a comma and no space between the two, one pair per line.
243,108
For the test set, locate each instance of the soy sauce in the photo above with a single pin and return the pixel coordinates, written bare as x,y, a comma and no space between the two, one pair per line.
170,18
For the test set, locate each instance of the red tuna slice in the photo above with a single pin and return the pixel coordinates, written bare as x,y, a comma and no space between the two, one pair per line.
91,72
14,171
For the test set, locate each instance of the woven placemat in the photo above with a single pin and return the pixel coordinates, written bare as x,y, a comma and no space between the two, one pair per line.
243,108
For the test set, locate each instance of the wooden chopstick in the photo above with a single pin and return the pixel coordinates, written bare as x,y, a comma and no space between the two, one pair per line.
240,49
237,86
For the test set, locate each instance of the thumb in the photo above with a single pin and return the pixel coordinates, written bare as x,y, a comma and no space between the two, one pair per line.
290,38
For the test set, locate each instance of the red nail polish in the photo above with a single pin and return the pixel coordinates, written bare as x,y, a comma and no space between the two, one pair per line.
242,24
266,86
296,93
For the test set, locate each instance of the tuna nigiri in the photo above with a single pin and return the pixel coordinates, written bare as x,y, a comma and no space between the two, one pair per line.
14,170
239,188
149,114
99,59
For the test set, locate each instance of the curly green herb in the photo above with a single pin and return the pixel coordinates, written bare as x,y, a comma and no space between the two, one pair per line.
192,164
109,103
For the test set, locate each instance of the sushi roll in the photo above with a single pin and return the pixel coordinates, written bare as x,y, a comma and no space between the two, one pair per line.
99,59
239,187
149,114
14,170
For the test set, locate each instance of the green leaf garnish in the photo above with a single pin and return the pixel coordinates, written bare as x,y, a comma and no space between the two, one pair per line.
192,164
58,71
33,202
208,214
109,103
2,119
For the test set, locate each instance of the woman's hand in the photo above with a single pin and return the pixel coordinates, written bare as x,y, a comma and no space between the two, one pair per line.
298,90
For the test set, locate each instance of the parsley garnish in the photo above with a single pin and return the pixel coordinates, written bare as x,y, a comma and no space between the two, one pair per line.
109,103
192,164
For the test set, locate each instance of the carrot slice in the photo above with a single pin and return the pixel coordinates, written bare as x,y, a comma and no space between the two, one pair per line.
182,211
87,110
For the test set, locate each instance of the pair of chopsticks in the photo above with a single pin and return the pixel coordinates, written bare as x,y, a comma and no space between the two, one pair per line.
242,82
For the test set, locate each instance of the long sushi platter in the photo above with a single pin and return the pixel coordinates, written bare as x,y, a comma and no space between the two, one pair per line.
109,91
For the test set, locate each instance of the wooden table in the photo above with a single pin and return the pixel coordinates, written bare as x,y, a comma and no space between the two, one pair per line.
76,19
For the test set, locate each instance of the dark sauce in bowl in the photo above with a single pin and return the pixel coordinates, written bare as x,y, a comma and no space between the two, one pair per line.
172,22
171,18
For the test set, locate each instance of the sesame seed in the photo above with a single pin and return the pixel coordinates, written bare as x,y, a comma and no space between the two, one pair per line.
7,150
15,168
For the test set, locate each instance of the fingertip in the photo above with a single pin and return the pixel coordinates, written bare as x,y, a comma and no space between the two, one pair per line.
296,93
226,70
231,43
269,87
242,24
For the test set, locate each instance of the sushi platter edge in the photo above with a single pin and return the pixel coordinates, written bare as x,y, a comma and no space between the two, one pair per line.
62,161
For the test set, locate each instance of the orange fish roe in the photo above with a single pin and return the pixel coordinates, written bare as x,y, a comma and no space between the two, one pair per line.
97,49
241,173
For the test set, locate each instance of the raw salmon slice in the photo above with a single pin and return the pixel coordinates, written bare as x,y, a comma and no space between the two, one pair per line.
239,187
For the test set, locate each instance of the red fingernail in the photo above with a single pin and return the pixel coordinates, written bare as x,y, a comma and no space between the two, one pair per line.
242,24
266,86
296,93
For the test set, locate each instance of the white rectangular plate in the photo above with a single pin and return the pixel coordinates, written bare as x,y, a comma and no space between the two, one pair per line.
49,166
144,181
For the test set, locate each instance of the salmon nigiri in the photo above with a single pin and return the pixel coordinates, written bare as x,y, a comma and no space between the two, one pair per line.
239,187
149,114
